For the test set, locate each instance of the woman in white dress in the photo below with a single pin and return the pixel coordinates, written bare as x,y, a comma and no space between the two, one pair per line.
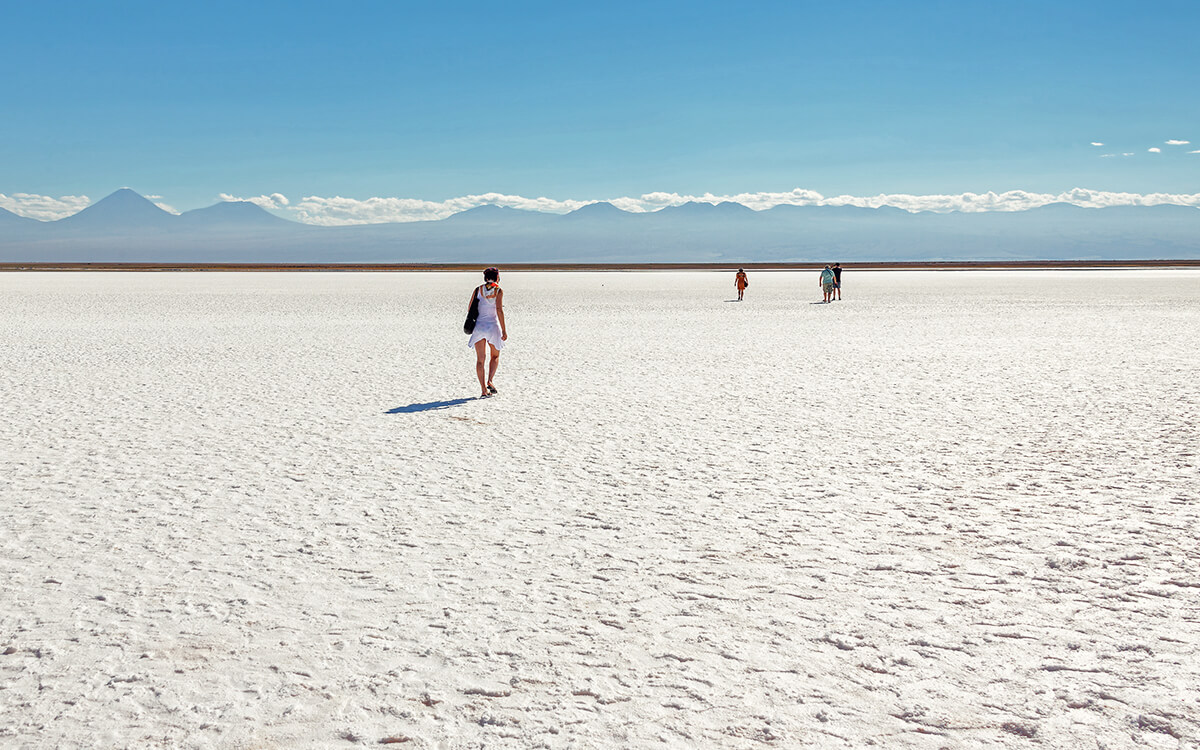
489,329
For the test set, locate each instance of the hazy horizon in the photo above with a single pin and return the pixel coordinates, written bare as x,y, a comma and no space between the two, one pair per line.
126,227
45,209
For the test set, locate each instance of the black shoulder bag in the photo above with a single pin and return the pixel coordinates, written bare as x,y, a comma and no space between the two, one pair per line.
472,314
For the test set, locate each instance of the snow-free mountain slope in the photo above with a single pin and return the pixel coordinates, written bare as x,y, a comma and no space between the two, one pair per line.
9,219
122,210
232,215
601,211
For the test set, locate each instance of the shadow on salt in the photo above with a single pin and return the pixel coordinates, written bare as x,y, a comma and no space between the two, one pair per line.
429,406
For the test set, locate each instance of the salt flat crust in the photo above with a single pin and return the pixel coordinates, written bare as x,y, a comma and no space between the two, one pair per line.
258,510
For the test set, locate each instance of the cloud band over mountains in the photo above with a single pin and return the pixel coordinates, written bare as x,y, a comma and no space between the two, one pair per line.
44,207
339,211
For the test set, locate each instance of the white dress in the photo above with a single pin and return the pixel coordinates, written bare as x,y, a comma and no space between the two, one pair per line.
487,325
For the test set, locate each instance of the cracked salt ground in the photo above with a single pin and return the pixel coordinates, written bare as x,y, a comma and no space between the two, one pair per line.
254,510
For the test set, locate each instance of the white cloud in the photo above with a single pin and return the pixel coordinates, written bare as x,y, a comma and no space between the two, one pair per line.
44,207
1178,143
1155,150
1197,151
1094,143
272,201
158,201
337,210
340,211
1127,153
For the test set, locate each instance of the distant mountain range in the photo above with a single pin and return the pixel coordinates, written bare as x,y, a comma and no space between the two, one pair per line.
125,227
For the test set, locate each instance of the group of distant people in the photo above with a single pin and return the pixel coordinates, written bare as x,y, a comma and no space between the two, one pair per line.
485,319
830,283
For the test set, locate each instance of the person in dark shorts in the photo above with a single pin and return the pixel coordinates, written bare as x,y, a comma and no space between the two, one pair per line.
837,279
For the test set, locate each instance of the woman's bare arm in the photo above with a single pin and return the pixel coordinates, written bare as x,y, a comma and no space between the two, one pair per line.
500,314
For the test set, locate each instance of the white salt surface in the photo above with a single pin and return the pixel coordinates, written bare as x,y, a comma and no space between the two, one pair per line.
953,510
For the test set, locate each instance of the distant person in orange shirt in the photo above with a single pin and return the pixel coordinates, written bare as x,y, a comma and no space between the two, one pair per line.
741,282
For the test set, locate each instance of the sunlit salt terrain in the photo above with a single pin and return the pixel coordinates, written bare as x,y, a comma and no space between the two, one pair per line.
956,509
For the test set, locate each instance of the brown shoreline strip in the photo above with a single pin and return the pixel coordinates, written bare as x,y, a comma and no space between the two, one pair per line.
1031,265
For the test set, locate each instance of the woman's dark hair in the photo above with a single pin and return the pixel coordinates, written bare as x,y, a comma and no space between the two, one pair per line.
741,270
491,274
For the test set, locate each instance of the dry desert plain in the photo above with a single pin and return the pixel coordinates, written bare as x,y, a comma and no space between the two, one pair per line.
954,510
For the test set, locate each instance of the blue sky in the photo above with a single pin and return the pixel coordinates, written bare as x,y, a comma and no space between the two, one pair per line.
578,101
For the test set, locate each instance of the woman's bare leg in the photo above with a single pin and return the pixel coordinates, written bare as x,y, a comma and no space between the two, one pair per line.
480,354
492,365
